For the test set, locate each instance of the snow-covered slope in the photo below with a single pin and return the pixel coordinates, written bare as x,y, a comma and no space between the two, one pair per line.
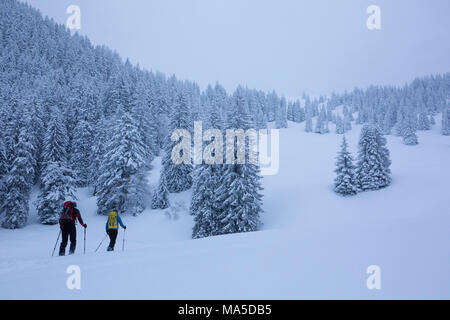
315,244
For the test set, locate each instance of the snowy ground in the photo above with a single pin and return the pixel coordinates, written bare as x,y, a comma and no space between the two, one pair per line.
314,244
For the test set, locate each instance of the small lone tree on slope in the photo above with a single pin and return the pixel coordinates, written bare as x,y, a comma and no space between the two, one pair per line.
345,182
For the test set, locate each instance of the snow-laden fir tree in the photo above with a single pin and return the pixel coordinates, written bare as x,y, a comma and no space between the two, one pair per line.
261,119
319,124
406,125
273,103
206,205
290,111
329,112
137,191
432,120
100,137
177,176
57,181
390,118
146,122
409,136
339,125
36,127
446,121
345,182
373,161
347,113
160,199
280,117
308,119
334,119
347,122
325,122
19,180
299,112
401,120
315,107
424,121
121,185
3,170
322,122
82,144
408,130
240,189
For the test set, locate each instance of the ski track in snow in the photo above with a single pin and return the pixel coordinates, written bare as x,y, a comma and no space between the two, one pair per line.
314,243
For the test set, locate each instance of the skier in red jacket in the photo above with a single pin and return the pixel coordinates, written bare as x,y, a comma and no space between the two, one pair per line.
69,215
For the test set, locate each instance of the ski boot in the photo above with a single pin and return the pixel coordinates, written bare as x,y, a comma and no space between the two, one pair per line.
110,249
72,249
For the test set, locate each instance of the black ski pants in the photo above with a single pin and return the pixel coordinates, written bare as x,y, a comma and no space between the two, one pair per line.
68,229
112,233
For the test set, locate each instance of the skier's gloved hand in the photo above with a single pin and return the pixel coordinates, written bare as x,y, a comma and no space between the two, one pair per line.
125,227
85,225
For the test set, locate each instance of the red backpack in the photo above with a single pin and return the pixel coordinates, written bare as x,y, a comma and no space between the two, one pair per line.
67,213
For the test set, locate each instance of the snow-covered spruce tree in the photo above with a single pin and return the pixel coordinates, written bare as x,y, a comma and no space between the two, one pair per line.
261,119
373,161
98,150
315,108
19,181
239,192
290,111
325,122
308,119
57,181
205,204
329,112
390,118
322,122
3,170
160,199
408,130
446,121
319,124
117,94
280,117
339,125
347,113
81,158
347,123
432,120
137,189
299,112
401,120
122,184
424,121
345,182
273,103
406,123
146,122
409,136
178,176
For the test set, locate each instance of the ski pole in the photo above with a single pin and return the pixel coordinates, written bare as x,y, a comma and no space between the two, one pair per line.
59,234
84,240
101,243
123,243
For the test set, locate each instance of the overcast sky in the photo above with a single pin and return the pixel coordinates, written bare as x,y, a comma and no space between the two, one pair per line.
291,46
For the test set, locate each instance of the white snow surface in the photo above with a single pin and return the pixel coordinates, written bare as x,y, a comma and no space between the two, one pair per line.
314,244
